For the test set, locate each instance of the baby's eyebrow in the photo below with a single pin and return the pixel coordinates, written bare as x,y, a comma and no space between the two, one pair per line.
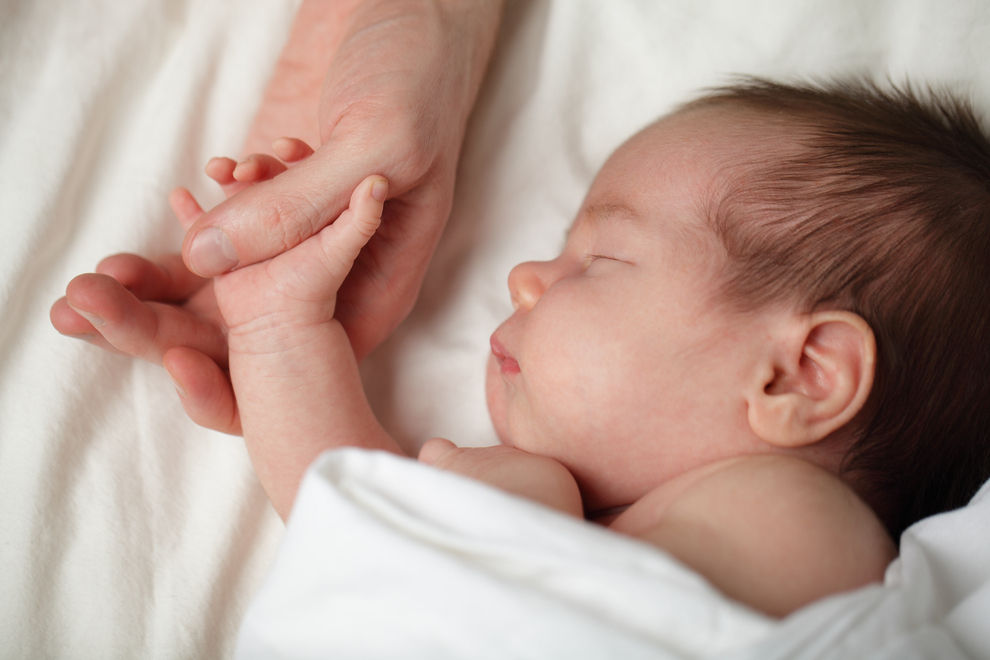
602,211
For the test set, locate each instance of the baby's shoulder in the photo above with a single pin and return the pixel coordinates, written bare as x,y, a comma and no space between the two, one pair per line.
774,532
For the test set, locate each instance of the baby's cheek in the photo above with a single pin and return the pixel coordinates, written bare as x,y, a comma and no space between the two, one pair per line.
581,392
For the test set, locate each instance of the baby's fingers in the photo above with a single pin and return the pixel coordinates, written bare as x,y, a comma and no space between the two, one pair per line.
343,240
258,167
221,170
436,451
184,206
291,150
314,270
235,176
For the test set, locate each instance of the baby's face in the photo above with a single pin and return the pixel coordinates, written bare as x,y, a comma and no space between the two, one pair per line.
619,361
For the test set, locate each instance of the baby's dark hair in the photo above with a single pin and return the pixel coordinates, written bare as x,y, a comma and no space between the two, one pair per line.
883,211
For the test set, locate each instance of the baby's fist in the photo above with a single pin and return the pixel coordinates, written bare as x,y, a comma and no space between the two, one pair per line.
531,476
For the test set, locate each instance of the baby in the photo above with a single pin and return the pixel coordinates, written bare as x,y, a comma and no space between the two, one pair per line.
762,347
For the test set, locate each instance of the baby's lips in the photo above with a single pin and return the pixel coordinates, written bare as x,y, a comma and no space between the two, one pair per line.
506,362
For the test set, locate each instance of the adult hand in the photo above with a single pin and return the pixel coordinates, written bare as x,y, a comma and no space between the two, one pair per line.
397,81
402,80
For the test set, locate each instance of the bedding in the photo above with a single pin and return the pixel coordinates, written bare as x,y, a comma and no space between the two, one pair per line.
386,558
126,531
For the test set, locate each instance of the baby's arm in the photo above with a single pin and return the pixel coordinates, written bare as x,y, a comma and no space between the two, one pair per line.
292,367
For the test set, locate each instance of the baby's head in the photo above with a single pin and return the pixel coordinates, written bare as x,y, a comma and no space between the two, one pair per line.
769,269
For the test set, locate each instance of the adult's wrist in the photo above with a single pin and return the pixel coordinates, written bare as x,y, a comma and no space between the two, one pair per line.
447,43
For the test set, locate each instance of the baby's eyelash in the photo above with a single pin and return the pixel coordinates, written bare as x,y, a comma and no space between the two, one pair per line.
591,258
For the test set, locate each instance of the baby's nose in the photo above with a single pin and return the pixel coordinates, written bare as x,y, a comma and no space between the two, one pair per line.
527,283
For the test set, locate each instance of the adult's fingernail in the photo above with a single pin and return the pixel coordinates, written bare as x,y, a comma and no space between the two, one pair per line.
379,189
94,320
180,390
212,253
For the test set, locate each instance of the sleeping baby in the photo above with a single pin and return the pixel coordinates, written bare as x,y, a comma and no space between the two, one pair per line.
762,347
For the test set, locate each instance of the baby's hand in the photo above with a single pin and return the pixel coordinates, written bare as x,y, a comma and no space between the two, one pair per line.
233,176
159,311
292,367
262,303
531,476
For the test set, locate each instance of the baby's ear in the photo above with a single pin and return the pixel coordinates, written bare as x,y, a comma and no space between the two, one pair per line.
815,380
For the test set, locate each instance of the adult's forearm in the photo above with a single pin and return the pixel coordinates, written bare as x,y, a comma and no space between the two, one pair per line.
462,31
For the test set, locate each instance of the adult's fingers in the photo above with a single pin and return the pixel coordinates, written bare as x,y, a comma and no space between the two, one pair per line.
69,322
270,217
166,279
138,328
204,389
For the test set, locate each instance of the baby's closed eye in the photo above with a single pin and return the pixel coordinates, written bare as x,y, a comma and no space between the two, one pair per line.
597,258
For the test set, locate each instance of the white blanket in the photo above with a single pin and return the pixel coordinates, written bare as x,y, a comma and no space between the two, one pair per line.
126,531
387,558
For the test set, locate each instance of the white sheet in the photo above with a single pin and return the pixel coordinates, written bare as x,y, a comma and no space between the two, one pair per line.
125,531
387,558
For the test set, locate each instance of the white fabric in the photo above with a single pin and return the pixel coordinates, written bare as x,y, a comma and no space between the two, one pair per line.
387,558
125,531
